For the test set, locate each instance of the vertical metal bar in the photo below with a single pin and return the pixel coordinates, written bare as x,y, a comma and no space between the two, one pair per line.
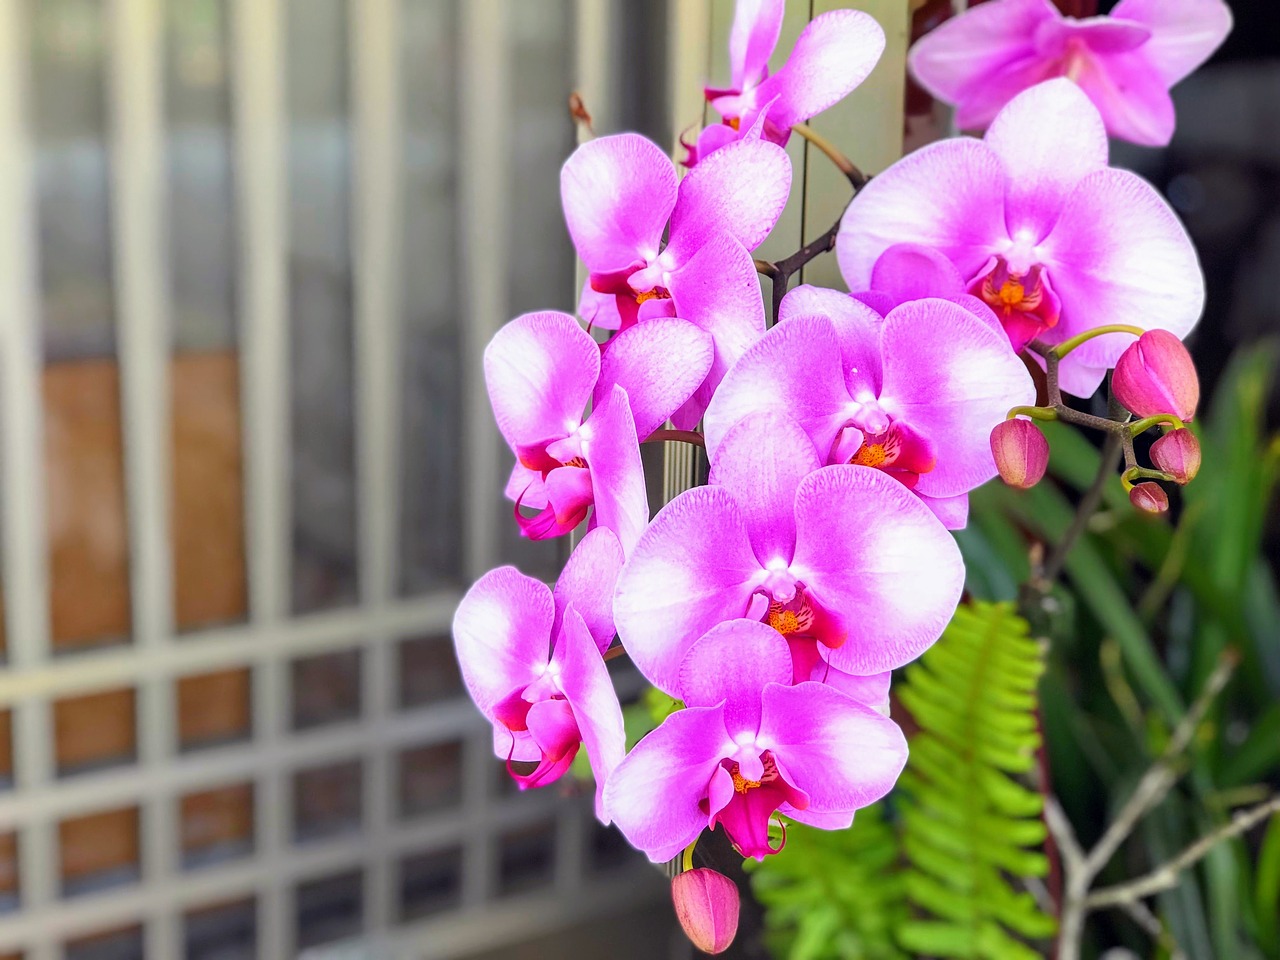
483,176
689,64
484,202
258,110
374,27
141,298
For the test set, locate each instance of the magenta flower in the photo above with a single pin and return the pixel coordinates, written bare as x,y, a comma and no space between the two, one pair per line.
843,561
832,55
531,662
620,193
915,395
541,369
749,744
1040,227
1126,62
907,272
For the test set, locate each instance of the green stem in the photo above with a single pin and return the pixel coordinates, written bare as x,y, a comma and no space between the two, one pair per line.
686,862
1160,419
1034,413
1062,349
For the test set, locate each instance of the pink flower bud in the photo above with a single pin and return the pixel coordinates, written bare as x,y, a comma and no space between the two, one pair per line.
1156,375
707,906
1177,454
1149,497
1021,452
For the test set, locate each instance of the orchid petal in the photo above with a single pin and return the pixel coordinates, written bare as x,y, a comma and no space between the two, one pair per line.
754,34
867,548
653,794
660,363
947,195
795,368
1131,96
990,46
585,680
740,189
617,193
952,379
587,583
692,569
719,291
843,754
832,55
1184,33
1118,255
952,511
502,635
540,369
553,729
599,309
908,271
730,664
857,328
1050,138
617,475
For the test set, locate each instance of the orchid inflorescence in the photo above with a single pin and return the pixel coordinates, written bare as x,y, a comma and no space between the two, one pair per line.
773,603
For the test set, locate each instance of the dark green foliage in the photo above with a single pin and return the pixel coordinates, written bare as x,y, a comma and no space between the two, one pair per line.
967,822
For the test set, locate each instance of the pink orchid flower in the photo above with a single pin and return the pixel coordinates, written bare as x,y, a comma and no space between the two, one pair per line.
915,394
844,561
1053,239
1126,62
541,369
621,193
748,745
833,54
908,271
531,662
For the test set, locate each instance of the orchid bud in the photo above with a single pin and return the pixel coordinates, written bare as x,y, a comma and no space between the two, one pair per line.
1156,375
707,906
1177,454
1149,497
1021,452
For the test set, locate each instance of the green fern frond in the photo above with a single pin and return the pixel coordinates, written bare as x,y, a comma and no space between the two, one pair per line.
834,895
967,824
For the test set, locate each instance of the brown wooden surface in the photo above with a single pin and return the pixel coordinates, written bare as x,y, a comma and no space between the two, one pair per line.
8,864
208,493
215,817
6,744
98,843
214,708
84,471
96,729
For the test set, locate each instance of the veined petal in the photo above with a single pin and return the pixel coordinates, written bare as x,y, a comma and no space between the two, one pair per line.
540,369
1133,100
948,195
584,678
1184,33
617,475
660,363
587,583
952,511
693,568
502,635
832,55
1050,138
653,794
739,189
795,368
719,291
1118,255
869,550
952,379
842,754
761,460
857,328
908,271
599,309
617,193
754,34
730,664
977,50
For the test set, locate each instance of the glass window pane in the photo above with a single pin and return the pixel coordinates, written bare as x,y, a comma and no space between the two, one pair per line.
324,510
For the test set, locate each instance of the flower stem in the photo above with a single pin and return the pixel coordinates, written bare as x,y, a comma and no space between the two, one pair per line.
1160,419
677,436
1062,349
834,153
686,861
1033,413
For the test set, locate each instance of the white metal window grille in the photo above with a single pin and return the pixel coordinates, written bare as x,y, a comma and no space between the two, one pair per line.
345,198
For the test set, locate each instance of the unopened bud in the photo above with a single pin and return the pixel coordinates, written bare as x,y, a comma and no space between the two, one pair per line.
1149,497
1021,453
1156,375
706,904
1177,454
